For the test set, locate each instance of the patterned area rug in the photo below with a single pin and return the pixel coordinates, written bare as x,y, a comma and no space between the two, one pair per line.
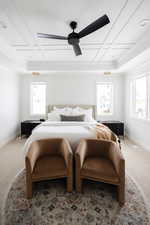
52,205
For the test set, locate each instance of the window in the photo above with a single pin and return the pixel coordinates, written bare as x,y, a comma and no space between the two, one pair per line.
148,99
105,99
139,97
38,98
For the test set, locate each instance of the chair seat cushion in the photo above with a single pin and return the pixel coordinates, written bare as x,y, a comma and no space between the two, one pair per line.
100,169
49,167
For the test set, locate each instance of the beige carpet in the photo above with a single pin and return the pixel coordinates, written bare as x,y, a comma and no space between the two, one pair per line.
12,160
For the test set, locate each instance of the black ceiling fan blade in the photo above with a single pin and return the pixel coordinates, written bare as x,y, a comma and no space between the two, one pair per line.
51,36
102,21
77,49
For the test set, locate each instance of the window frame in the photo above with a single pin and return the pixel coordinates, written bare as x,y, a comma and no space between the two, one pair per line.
133,99
112,97
148,97
31,98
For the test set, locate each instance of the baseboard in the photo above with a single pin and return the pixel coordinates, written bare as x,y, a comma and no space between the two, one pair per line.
7,140
139,143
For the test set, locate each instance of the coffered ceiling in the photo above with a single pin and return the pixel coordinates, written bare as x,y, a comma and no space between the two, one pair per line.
127,35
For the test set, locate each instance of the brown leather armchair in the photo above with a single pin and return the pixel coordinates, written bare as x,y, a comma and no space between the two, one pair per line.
48,159
100,160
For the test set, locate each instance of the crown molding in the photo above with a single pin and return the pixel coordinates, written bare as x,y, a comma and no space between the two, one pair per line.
140,47
70,66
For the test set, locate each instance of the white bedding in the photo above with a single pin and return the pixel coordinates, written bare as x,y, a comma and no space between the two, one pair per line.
73,131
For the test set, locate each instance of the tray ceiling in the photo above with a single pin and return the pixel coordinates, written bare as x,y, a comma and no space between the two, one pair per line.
20,20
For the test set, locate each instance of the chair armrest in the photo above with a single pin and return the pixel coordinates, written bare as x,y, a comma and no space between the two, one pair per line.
81,153
116,139
118,160
66,152
32,156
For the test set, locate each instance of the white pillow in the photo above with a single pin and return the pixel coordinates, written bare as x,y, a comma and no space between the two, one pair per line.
87,112
68,111
55,109
88,119
76,111
64,111
53,116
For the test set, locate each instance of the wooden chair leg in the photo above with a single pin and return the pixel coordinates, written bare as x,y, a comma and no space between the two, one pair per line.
121,194
69,184
28,188
79,184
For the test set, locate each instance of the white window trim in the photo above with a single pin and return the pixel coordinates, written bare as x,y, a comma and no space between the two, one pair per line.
36,82
132,104
148,97
112,113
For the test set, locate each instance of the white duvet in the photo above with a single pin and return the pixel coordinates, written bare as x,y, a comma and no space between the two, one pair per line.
73,131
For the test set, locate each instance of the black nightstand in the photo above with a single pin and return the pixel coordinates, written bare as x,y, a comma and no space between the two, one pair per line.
28,125
116,126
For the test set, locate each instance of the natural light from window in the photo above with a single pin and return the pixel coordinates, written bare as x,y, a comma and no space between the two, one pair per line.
140,97
38,98
105,99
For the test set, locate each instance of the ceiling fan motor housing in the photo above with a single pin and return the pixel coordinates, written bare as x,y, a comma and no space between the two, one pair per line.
73,25
73,38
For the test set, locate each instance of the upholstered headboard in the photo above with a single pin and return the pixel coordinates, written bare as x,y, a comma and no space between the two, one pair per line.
50,108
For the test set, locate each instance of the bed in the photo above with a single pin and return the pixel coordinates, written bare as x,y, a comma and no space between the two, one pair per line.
74,131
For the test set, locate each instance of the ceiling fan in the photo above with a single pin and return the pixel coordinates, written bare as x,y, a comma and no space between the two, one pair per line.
74,38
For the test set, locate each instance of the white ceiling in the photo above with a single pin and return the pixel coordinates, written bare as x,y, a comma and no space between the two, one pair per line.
20,20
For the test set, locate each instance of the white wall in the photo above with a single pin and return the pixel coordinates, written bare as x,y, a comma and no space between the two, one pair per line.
72,88
9,105
137,130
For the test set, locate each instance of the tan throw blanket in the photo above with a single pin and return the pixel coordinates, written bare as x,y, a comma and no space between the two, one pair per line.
103,132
